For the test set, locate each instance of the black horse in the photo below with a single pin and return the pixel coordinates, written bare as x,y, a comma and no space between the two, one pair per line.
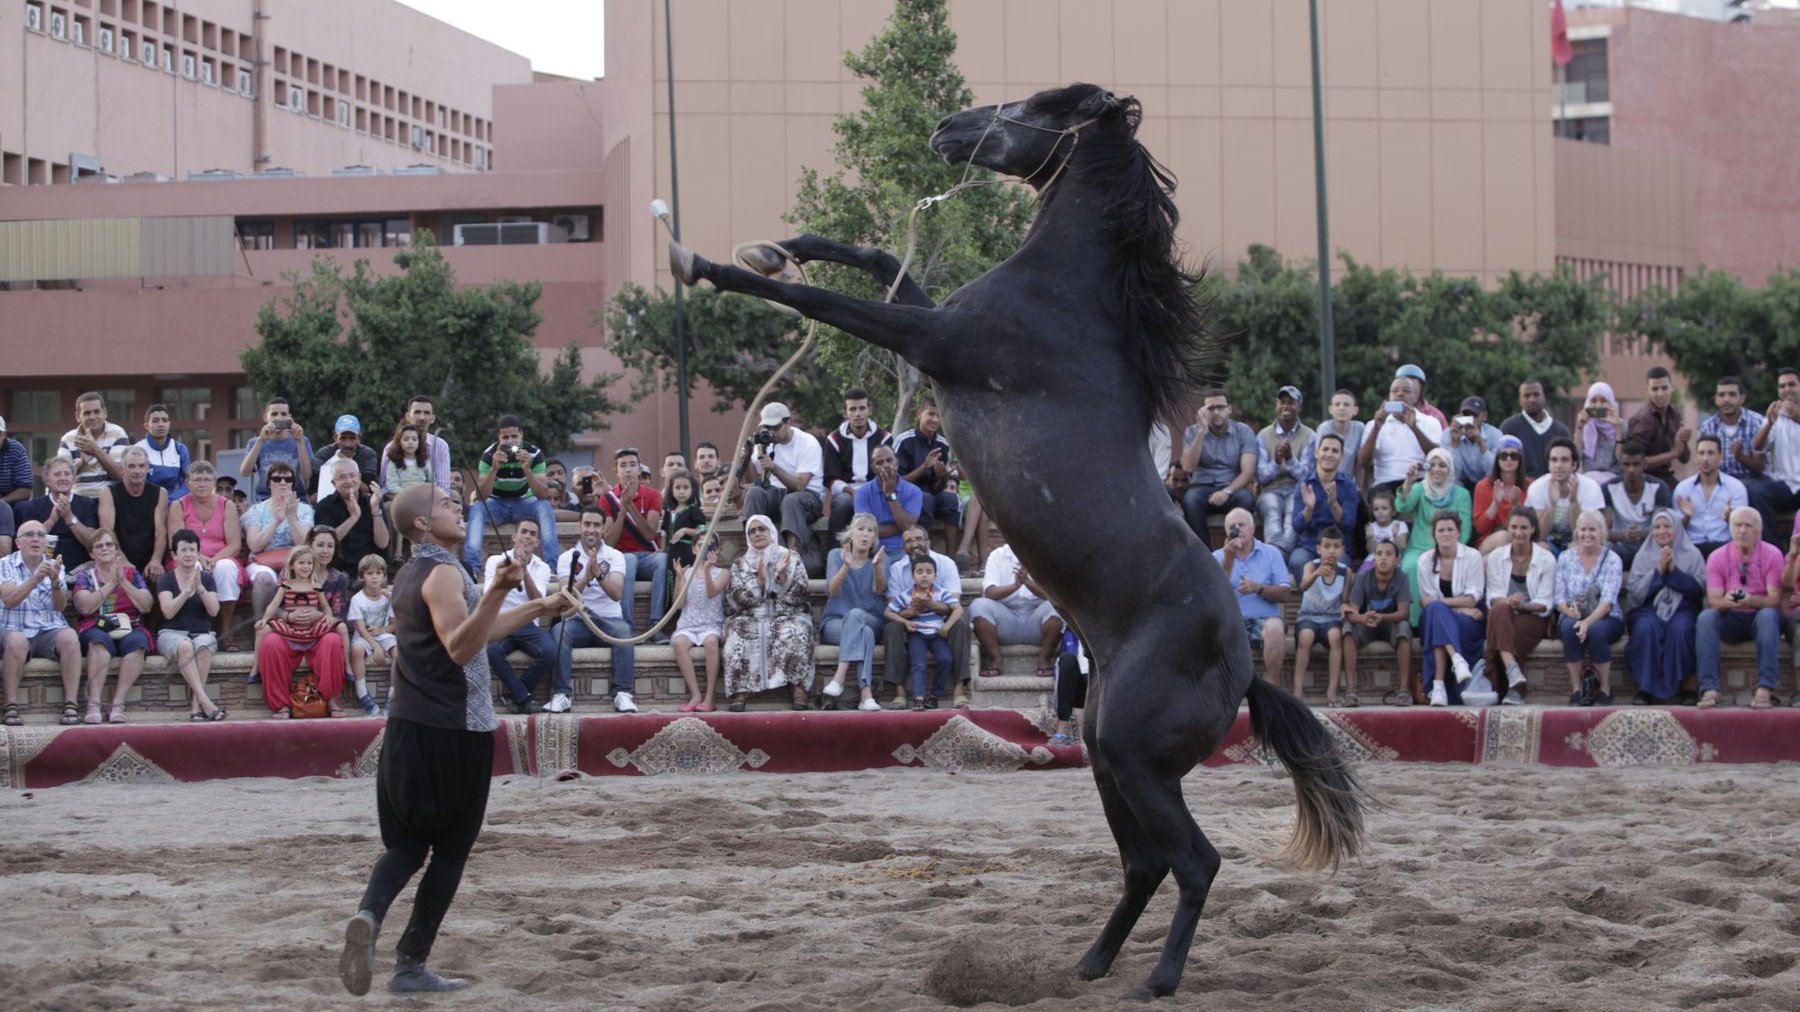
1050,368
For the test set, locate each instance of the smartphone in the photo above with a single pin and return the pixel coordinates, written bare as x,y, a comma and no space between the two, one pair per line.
1395,407
1464,420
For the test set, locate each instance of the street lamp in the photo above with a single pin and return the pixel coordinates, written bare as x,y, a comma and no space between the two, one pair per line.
1327,340
660,211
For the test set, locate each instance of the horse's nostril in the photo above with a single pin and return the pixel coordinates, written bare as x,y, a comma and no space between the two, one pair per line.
943,123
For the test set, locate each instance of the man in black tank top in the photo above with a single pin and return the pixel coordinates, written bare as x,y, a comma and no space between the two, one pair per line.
437,752
137,513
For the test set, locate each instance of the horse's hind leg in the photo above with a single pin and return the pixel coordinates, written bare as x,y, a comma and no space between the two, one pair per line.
1156,802
1144,865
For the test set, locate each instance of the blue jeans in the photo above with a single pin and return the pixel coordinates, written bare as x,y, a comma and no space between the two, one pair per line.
1715,626
1276,507
1600,638
918,645
1442,626
533,640
658,564
572,634
508,511
1195,507
854,634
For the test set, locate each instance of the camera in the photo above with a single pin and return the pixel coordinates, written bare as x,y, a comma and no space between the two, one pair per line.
1738,594
1596,412
1233,531
763,436
585,485
511,450
284,424
1464,420
1395,407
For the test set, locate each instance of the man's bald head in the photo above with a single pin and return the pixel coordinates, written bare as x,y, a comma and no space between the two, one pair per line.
412,506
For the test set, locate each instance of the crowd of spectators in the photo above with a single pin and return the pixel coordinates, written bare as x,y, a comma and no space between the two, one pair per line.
1477,540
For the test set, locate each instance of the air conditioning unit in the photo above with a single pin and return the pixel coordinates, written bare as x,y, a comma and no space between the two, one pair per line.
168,60
481,158
419,169
59,25
516,219
207,74
79,35
34,17
296,100
147,52
106,40
535,233
245,83
343,114
418,137
189,66
574,224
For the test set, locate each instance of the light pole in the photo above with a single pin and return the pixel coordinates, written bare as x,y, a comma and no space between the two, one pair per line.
671,219
1327,340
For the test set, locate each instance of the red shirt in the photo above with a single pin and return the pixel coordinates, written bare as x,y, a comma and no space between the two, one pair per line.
631,539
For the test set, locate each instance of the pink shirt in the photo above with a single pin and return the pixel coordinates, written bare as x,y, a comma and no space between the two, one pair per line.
1728,569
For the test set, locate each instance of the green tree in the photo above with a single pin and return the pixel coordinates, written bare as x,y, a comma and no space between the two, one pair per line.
1715,325
363,344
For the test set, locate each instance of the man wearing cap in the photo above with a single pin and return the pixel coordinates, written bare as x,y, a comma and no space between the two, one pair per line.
1658,428
1417,396
281,441
1279,467
1472,442
347,447
789,487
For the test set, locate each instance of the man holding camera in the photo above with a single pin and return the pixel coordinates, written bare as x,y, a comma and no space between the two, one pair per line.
1472,442
788,465
1260,576
509,486
347,446
1743,602
1397,438
633,519
280,441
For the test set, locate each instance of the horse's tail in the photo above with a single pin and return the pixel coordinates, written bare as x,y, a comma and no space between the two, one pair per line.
1329,827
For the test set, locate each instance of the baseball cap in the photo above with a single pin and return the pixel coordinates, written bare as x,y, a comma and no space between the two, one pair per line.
774,413
1290,392
1410,371
1475,404
346,423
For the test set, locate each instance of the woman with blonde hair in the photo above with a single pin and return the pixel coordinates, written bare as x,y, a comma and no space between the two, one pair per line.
1587,603
855,587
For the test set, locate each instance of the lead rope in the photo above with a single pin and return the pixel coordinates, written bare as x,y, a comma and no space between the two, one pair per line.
738,253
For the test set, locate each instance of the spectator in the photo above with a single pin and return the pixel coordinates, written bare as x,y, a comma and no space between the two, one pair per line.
1600,434
1421,502
1666,589
137,512
1384,527
914,543
188,600
1779,439
1342,423
1326,499
1259,575
673,461
404,461
15,469
1279,468
213,520
169,457
1498,494
372,636
1176,481
298,626
346,446
634,522
272,528
927,612
1013,609
1070,689
894,502
1736,428
587,487
531,639
1631,500
594,572
684,522
357,519
110,602
333,580
1415,394
1219,455
1472,442
1376,611
702,622
1708,497
1450,580
1743,602
789,484
95,445
508,488
1657,427
33,594
849,458
706,461
768,626
1400,436
856,587
421,413
71,519
924,457
1322,585
462,488
1561,495
556,470
712,489
1534,427
281,440
1521,591
1587,599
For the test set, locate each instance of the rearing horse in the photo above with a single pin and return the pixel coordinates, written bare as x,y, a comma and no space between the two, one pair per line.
1050,368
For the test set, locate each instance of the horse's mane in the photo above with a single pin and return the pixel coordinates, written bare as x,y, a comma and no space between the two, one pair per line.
1166,328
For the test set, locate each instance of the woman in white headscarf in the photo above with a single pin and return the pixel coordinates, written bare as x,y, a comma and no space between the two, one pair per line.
1664,593
768,625
1419,502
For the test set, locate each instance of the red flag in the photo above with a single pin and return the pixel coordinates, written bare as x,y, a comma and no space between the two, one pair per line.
1561,52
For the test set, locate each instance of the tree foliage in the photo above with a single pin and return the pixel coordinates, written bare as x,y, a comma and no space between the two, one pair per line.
1468,338
363,345
1715,325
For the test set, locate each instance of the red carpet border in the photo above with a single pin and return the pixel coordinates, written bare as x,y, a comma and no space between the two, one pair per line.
545,745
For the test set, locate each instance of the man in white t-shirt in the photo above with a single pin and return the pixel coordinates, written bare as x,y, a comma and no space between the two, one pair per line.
1395,440
1012,609
788,465
1560,496
595,572
531,639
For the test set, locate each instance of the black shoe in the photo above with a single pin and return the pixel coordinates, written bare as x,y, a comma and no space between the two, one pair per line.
931,702
1590,688
1603,699
520,705
1643,699
1688,697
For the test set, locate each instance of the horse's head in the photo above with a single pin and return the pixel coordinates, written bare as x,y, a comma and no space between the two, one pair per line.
1023,139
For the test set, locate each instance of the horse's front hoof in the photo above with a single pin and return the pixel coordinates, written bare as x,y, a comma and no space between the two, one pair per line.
1152,989
684,264
1090,970
765,260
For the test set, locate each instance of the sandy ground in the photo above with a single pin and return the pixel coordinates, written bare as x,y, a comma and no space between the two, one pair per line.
1483,888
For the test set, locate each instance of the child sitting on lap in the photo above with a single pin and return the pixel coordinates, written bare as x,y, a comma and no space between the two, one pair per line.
927,613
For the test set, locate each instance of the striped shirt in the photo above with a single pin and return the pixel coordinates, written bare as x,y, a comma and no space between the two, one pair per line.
1731,437
15,466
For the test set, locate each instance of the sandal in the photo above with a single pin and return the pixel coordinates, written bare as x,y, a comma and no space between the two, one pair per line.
1763,699
336,710
1350,701
218,713
990,672
115,714
12,718
1708,699
71,713
281,714
1331,703
93,713
228,644
1046,672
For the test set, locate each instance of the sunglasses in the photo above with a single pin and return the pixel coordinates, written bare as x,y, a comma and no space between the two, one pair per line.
1511,456
281,479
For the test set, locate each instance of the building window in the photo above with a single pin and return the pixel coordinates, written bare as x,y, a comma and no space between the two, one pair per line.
188,405
1592,129
121,408
246,405
257,234
1585,79
398,232
35,407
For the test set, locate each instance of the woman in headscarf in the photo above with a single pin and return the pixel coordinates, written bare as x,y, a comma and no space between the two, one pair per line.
1419,502
1600,434
768,626
1497,494
1664,593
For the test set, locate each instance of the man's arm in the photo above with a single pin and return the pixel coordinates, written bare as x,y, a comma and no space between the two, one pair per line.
463,633
378,524
105,459
1246,472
